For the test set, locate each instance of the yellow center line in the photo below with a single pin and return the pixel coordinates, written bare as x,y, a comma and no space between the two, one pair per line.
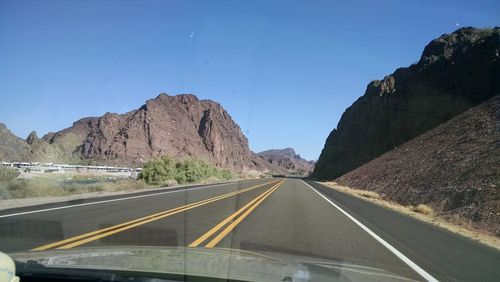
231,226
246,210
94,235
205,236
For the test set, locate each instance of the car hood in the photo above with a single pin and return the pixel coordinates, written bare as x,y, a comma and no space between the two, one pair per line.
206,262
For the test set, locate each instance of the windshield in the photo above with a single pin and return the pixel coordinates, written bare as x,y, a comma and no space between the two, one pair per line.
250,140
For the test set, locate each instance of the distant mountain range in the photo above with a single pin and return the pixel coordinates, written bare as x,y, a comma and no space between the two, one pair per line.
180,126
288,159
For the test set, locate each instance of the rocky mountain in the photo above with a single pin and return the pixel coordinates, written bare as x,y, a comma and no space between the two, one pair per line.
457,71
454,168
289,160
180,126
11,146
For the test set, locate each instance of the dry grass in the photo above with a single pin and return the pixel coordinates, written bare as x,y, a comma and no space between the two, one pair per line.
423,209
356,192
369,194
65,185
424,213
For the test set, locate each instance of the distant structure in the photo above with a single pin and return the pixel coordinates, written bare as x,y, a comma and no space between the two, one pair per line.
37,167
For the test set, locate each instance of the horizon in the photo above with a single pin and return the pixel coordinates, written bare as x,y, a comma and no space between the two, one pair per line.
285,73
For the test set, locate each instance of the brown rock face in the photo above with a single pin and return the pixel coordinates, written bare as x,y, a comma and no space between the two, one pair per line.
455,168
179,126
457,71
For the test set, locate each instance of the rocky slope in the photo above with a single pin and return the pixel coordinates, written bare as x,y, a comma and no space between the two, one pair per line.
175,125
286,158
457,71
11,146
454,168
180,126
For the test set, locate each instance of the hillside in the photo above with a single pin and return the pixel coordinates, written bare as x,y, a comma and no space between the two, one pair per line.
286,158
180,126
454,168
457,71
11,146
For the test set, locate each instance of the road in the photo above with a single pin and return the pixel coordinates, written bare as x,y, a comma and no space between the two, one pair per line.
288,216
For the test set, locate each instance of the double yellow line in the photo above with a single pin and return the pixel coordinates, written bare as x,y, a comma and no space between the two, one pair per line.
233,220
101,233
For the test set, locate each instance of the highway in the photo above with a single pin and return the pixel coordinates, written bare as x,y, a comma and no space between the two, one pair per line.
286,216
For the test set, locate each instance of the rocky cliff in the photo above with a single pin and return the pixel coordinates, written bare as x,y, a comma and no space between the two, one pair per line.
175,125
454,168
286,158
457,71
12,148
179,126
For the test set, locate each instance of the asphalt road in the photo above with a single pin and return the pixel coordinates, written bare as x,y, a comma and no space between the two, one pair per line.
266,215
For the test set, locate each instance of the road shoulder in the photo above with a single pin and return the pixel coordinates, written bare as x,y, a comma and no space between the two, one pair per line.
444,254
22,204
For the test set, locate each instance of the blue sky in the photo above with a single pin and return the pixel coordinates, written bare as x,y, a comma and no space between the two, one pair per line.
284,70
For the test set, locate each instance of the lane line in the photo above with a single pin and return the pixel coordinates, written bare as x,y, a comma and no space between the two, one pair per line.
114,227
97,234
221,224
233,224
111,200
402,257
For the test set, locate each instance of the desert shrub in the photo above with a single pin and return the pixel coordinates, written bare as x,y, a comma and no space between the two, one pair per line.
7,174
165,170
190,171
159,170
193,170
225,174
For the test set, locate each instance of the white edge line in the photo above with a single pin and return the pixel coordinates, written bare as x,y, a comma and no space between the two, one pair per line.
112,200
402,257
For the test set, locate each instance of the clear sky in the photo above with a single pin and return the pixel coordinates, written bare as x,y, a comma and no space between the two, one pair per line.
284,70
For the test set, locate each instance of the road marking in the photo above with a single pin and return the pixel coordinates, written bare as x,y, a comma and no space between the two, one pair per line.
205,236
112,200
246,210
228,229
402,257
95,235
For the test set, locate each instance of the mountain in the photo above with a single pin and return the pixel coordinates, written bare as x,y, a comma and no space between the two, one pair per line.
457,71
180,126
12,148
454,168
287,159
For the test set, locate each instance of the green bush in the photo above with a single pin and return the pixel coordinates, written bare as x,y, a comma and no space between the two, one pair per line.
159,171
7,174
226,174
165,169
192,170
